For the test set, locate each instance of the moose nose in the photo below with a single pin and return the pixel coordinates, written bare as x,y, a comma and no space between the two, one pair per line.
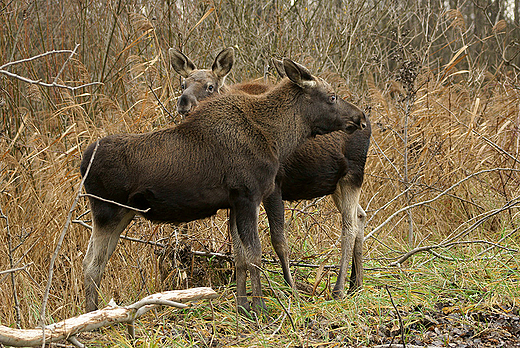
186,104
361,121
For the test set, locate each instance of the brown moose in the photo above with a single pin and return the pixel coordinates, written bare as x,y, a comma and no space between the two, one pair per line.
329,164
225,155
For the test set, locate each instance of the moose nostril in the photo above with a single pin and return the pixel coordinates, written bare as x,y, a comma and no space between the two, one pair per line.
184,109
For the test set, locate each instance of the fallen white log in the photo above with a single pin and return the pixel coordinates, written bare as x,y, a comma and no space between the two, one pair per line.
68,328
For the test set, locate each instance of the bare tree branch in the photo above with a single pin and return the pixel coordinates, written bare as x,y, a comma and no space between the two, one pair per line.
64,64
446,245
44,84
16,269
2,67
38,82
436,197
69,328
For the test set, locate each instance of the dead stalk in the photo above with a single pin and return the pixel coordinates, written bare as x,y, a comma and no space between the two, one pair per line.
58,247
401,326
13,281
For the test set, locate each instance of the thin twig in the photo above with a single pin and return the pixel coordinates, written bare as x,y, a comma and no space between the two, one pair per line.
6,6
22,257
16,269
280,303
435,198
116,203
512,203
160,103
401,327
58,246
494,145
65,63
2,67
500,240
212,254
445,245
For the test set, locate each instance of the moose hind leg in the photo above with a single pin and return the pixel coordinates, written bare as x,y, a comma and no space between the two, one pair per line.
346,198
356,274
247,226
102,244
240,264
275,213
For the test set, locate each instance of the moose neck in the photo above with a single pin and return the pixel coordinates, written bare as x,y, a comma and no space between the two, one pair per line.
283,117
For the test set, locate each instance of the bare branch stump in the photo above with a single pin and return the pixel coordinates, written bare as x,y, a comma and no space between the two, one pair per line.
68,328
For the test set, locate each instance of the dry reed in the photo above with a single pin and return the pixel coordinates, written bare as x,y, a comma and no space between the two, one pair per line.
439,114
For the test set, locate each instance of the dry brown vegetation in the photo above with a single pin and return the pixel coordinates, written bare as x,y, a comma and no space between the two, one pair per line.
444,105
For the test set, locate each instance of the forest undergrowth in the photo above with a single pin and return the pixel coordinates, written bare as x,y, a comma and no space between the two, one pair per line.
441,189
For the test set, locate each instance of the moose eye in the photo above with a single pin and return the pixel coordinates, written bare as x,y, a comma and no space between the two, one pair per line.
210,88
332,99
183,86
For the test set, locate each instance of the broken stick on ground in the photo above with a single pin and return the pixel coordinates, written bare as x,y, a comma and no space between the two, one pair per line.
69,328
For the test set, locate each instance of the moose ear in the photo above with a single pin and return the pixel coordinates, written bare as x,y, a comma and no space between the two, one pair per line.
278,65
180,63
224,62
298,73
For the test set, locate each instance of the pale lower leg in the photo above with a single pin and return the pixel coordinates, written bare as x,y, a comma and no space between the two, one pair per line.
102,244
346,199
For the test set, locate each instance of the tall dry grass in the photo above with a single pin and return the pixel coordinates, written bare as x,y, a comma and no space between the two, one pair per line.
439,114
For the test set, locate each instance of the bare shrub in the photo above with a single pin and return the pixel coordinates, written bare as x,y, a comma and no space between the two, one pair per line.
441,83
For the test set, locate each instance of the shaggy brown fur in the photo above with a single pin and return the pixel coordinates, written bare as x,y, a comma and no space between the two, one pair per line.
225,155
329,164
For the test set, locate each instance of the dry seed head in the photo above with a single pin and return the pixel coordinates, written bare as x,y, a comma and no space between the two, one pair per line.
407,74
33,93
111,107
140,22
457,19
500,26
84,75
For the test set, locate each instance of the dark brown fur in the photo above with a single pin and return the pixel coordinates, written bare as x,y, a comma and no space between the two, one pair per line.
332,164
225,155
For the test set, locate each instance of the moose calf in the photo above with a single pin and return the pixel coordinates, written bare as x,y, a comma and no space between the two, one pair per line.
330,164
225,155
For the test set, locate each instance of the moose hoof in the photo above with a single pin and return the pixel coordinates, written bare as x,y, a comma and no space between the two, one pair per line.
244,309
337,294
355,287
